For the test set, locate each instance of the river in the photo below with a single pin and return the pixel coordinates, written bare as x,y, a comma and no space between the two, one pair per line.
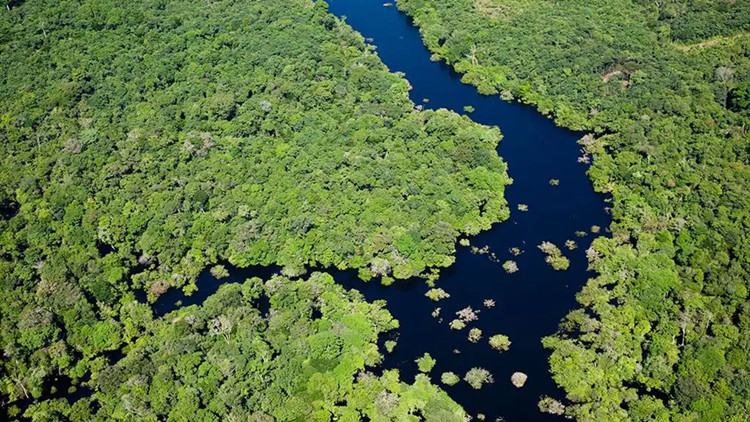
529,303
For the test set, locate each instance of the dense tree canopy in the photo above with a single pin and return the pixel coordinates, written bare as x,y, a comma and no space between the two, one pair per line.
663,332
695,20
144,141
230,359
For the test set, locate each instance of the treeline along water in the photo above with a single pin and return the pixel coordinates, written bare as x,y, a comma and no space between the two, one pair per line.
529,303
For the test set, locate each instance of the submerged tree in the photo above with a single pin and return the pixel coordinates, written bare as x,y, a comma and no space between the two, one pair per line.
554,256
449,378
551,406
500,342
510,267
457,324
219,272
475,334
437,294
467,314
518,379
478,377
425,363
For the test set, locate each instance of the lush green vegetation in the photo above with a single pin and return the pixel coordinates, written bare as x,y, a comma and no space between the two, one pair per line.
425,363
478,377
449,378
664,330
143,142
693,20
231,360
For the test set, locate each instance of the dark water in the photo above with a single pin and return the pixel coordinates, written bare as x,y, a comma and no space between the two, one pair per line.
531,302
207,285
8,209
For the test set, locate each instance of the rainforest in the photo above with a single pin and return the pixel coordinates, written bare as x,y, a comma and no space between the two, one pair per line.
441,210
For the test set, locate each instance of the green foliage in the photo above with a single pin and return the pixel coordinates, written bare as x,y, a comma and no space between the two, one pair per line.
144,142
558,262
449,378
554,256
663,332
510,266
226,360
478,377
437,294
500,342
457,324
219,272
475,334
739,97
426,363
551,406
693,20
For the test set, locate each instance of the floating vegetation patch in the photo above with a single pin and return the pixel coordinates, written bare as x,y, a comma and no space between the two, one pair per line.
554,256
478,377
500,342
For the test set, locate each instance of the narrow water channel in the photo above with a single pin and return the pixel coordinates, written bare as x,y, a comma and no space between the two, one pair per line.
529,303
